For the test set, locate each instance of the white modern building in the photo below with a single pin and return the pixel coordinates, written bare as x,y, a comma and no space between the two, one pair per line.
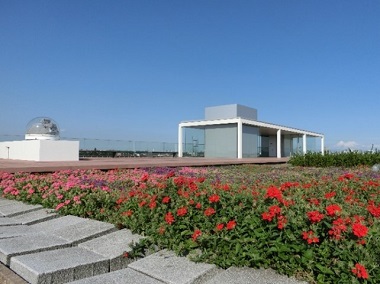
233,131
42,143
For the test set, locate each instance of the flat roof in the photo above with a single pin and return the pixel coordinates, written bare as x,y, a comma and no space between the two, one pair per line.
269,128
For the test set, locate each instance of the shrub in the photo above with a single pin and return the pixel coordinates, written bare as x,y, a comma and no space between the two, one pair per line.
335,159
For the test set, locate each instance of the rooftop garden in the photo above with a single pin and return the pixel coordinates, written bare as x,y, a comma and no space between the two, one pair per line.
320,225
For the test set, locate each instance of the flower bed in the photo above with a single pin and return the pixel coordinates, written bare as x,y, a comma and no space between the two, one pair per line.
320,225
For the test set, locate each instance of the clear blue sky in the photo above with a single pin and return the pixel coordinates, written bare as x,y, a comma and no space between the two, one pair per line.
134,69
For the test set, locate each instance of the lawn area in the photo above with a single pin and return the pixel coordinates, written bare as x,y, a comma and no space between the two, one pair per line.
317,224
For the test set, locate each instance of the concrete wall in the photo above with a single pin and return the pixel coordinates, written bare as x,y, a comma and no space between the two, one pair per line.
230,111
40,150
221,141
250,141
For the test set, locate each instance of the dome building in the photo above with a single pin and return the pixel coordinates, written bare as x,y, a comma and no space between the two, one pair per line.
42,143
42,128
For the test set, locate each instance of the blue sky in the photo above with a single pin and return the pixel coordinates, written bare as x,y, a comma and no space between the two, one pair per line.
134,69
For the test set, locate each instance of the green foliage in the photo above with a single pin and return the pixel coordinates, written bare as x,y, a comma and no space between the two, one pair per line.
336,159
320,225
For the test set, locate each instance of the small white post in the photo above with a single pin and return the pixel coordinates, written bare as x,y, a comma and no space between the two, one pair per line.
180,148
279,143
304,144
240,139
323,145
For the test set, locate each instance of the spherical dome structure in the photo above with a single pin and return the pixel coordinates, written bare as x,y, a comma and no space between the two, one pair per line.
42,128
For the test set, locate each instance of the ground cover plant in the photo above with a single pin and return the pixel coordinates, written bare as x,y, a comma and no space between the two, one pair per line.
336,159
319,225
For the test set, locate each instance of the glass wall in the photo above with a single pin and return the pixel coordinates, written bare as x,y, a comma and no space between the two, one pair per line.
193,141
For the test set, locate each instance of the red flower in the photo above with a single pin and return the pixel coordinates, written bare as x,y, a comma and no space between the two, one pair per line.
359,271
333,209
359,230
166,199
274,210
330,195
231,224
347,176
169,218
339,226
182,211
209,211
219,227
310,237
267,216
315,216
142,203
152,204
273,192
196,235
374,210
198,206
127,213
314,201
161,230
281,222
214,198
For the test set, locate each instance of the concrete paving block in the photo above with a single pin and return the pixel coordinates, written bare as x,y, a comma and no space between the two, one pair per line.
6,221
112,246
11,210
57,223
235,275
59,266
127,276
35,217
169,268
4,201
15,231
83,231
29,244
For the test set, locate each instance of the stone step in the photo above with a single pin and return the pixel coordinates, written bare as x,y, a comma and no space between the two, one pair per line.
83,231
4,201
125,276
113,246
29,244
169,268
59,266
57,223
35,217
6,221
16,208
16,231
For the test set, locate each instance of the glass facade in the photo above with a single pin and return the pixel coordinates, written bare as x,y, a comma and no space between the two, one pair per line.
221,141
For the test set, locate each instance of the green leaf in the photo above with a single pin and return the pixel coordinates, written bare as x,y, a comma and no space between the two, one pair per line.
324,269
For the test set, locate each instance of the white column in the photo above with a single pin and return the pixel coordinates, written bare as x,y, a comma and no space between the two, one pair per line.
304,144
180,148
279,143
240,139
323,145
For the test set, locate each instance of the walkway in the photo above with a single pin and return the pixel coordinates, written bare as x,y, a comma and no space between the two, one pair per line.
39,246
128,163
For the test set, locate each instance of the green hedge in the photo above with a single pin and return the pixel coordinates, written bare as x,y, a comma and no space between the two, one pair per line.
337,159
